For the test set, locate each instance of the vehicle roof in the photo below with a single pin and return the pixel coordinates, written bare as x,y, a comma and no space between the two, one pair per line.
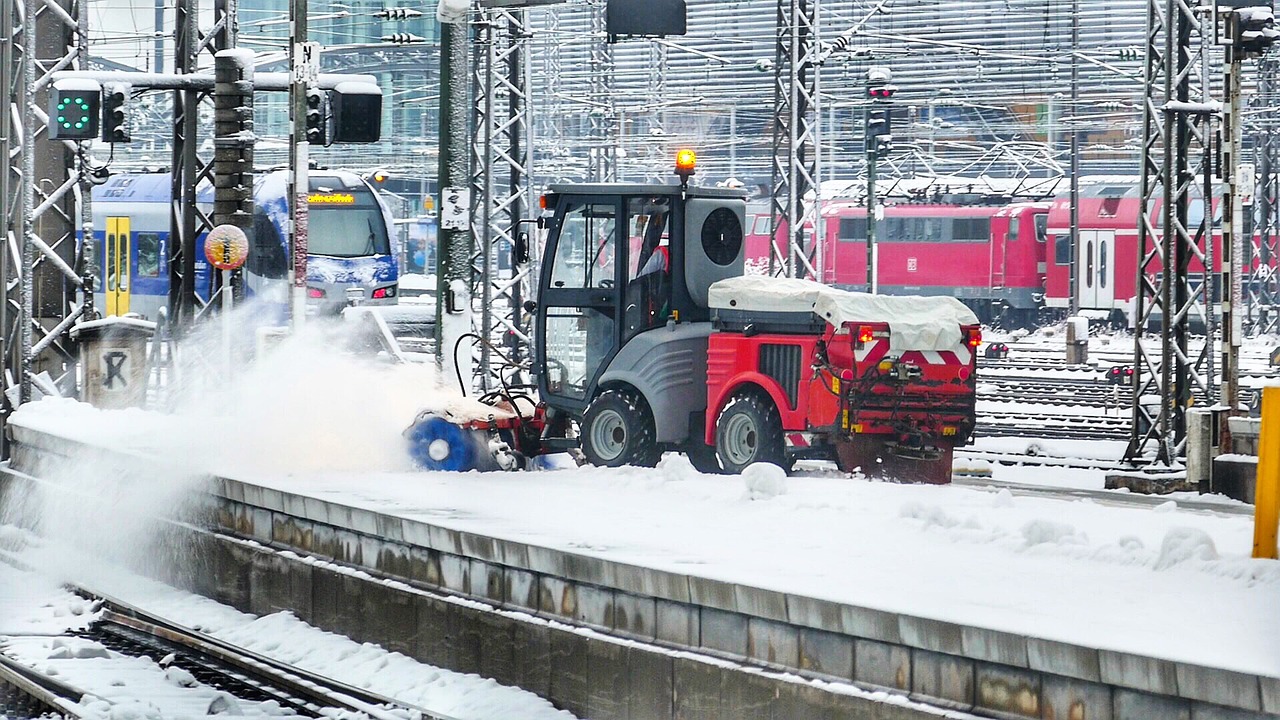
134,188
644,189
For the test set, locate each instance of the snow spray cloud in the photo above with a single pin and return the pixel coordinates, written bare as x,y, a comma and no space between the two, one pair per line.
317,401
98,509
307,405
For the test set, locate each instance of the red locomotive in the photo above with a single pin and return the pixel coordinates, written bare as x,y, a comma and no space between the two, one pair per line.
989,256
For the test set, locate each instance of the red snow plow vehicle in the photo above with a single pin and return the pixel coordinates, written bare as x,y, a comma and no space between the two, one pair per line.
648,338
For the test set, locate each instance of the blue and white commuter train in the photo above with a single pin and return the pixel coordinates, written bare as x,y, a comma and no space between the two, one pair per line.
349,249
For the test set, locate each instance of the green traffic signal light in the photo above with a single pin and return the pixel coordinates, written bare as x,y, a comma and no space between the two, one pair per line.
74,114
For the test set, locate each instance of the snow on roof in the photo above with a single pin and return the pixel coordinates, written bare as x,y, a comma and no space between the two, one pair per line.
915,322
113,322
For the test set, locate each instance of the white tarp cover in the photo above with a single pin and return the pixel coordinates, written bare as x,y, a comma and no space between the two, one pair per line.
915,322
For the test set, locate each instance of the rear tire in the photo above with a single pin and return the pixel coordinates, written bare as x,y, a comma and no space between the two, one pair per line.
618,430
749,430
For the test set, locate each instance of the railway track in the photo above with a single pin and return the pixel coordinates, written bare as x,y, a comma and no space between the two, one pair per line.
1052,428
125,631
1070,396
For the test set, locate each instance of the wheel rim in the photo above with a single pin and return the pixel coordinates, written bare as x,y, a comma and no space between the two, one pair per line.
741,440
609,435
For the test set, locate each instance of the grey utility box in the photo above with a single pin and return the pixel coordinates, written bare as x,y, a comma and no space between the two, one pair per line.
113,353
1077,340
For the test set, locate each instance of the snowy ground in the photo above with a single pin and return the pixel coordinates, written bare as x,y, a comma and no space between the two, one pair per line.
1072,570
1169,582
34,609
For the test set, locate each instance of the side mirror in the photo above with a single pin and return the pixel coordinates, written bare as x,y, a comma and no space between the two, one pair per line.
520,250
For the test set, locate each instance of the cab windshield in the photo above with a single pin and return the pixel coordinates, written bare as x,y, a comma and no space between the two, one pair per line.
346,232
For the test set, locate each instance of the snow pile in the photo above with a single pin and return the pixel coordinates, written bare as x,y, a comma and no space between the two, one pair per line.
764,481
676,468
1042,532
1183,545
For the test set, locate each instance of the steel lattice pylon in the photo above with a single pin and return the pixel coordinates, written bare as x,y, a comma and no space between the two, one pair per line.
187,221
1176,150
499,186
603,118
43,274
795,137
1262,293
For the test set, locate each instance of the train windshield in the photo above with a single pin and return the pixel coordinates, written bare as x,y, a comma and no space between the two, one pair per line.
347,232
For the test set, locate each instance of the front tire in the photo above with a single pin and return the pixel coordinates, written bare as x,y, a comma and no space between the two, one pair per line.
749,430
618,430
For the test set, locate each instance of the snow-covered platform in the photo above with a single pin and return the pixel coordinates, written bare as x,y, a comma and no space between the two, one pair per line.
975,599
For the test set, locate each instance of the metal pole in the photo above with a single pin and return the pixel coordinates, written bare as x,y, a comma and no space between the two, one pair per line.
87,253
299,183
733,141
453,257
873,276
26,331
488,36
1073,302
182,260
1232,237
158,52
819,234
7,174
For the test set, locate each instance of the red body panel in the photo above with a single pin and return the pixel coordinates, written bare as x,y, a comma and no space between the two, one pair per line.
837,385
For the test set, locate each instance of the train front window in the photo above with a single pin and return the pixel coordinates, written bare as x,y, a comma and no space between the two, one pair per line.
346,232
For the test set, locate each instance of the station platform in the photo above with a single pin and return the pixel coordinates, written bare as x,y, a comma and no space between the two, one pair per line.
963,598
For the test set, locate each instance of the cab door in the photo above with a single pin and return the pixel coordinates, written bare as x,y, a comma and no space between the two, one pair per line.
999,250
115,265
1095,268
578,318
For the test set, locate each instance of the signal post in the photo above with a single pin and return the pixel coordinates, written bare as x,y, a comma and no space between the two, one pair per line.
878,139
1249,32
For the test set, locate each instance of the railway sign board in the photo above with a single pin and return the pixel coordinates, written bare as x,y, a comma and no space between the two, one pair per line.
455,208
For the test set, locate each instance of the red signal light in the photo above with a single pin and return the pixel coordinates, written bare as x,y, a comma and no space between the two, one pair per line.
315,293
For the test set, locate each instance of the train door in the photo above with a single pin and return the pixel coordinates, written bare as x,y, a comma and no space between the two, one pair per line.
115,266
1095,269
999,251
